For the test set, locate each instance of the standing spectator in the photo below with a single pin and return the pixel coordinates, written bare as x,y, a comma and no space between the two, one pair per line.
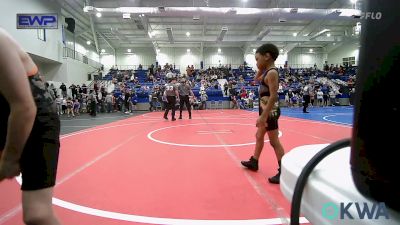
352,95
325,96
188,71
332,96
320,96
235,103
251,99
63,90
58,103
306,97
127,100
78,90
84,88
151,69
95,86
70,107
100,102
109,102
312,97
203,99
73,90
84,103
152,106
92,102
193,102
287,99
77,107
226,88
53,89
134,101
64,106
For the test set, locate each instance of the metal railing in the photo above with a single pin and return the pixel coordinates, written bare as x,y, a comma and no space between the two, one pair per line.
70,53
233,66
178,67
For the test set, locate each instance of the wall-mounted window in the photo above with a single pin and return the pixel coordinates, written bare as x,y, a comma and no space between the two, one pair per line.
345,61
352,61
41,34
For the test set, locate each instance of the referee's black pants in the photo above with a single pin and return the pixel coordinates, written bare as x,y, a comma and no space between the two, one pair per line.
306,99
184,99
93,108
170,105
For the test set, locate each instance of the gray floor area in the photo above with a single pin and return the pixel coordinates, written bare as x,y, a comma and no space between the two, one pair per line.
85,121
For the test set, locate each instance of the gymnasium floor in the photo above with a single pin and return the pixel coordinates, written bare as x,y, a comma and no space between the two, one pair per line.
141,169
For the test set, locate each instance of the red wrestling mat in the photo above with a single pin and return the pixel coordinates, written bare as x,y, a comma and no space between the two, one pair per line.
145,170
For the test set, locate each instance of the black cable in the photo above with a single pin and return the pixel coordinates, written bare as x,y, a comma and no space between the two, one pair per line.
302,180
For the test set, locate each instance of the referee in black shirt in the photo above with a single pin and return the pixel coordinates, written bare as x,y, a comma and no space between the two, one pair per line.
171,94
184,92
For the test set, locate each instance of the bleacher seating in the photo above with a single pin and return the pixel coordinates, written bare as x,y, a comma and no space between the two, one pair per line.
242,79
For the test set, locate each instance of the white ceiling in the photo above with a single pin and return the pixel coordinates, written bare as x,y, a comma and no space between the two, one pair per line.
112,31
